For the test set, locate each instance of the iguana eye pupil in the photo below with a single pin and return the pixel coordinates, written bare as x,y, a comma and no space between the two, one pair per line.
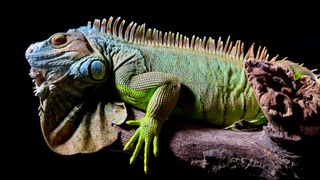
58,39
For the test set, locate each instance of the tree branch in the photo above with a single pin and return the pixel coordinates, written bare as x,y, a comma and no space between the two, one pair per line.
226,153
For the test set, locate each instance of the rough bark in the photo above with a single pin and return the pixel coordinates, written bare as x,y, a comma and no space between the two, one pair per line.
219,152
276,152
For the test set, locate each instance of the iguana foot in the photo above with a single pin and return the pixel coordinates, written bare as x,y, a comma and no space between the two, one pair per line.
147,133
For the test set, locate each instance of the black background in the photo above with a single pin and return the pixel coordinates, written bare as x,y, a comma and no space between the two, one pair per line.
288,31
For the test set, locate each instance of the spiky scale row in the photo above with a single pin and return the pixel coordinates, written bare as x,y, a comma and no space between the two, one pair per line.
137,34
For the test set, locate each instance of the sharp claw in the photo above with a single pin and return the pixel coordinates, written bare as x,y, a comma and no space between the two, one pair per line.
132,160
146,171
126,147
145,167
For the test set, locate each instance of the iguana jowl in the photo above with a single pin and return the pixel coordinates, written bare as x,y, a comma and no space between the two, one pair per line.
162,73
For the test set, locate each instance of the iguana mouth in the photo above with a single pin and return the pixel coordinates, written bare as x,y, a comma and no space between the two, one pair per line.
39,76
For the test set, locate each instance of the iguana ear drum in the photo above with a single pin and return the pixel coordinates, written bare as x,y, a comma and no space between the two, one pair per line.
94,69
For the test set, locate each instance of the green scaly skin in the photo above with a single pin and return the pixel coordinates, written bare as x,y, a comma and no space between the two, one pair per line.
197,81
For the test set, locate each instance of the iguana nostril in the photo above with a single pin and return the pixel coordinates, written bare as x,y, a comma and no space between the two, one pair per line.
30,49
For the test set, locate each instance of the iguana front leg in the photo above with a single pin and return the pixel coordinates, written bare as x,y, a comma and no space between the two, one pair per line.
160,92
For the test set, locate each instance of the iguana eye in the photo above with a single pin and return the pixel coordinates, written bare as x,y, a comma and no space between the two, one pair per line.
98,70
58,39
95,69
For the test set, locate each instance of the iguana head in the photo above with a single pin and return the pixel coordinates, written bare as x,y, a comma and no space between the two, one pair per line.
65,54
70,73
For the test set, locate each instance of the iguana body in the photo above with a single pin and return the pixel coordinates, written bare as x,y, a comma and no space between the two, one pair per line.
162,74
214,87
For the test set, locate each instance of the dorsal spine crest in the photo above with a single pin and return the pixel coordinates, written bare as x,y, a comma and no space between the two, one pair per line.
137,34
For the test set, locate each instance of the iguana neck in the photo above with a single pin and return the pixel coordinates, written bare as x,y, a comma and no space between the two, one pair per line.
126,60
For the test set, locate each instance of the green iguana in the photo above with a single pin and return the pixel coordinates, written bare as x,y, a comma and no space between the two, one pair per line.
78,71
